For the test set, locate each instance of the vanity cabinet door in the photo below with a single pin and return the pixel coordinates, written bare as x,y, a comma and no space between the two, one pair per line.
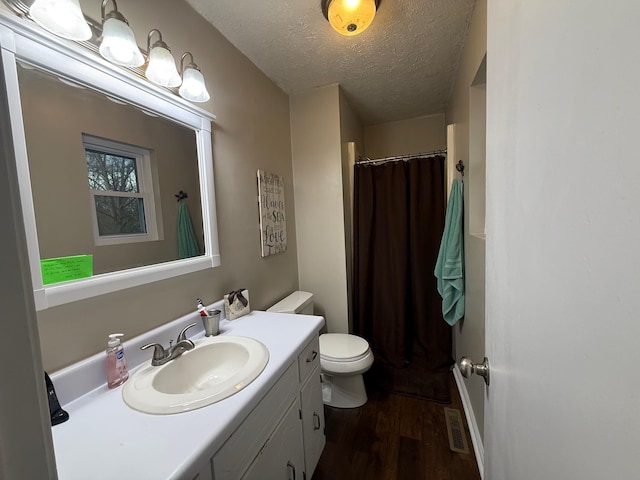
232,460
312,421
281,457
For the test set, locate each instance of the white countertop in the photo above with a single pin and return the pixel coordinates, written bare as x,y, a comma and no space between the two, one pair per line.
106,439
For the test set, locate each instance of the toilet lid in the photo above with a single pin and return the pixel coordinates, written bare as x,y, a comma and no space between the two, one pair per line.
342,347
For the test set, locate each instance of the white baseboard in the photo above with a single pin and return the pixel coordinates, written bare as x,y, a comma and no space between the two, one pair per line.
476,438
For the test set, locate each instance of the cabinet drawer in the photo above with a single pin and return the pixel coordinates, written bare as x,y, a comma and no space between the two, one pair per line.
233,458
309,358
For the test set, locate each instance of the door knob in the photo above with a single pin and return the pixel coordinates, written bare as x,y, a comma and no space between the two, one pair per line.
468,368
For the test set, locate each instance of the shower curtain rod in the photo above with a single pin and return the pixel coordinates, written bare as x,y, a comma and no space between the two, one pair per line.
400,158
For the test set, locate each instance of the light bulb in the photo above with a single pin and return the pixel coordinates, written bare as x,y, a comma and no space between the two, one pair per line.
162,68
193,87
61,17
119,44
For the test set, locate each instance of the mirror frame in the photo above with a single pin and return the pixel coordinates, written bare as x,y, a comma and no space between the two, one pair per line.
21,40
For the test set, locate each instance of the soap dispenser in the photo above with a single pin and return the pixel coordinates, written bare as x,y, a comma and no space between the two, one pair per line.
117,372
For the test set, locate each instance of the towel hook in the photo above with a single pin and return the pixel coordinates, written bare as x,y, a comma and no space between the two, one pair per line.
460,167
181,196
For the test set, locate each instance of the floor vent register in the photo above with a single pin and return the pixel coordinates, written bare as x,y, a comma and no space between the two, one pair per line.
455,430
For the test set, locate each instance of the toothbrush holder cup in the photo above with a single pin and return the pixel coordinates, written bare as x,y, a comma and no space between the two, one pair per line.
211,323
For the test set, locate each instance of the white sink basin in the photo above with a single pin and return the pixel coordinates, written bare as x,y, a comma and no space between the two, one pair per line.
216,369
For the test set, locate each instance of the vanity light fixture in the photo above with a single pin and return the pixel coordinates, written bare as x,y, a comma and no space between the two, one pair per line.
193,87
61,17
161,69
118,42
114,39
349,17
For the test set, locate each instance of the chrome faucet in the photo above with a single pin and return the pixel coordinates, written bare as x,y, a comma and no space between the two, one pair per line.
162,356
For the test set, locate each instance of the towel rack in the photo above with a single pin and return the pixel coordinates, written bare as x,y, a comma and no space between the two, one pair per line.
460,167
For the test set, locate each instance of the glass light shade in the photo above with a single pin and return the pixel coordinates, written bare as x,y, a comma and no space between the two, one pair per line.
193,87
162,68
119,44
351,17
61,17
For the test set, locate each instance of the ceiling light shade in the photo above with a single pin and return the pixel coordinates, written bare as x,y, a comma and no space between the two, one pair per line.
61,17
161,69
193,87
350,17
118,42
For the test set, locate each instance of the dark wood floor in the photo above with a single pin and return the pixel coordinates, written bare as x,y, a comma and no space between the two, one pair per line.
393,437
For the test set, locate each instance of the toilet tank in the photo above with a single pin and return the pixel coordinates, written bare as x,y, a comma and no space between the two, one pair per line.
298,302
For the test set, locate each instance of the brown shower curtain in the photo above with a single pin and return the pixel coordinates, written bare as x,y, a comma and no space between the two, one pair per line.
399,211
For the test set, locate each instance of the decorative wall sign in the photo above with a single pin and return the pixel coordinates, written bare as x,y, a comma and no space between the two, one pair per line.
273,226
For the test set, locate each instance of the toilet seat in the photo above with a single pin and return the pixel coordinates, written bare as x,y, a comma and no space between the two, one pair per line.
344,354
343,347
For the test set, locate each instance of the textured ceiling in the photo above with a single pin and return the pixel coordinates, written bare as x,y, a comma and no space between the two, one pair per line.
403,66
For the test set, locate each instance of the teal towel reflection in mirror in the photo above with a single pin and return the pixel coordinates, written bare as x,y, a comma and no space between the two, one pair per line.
187,243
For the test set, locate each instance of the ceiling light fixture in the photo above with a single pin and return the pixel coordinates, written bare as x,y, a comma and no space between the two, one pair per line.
118,41
349,17
162,67
61,17
193,87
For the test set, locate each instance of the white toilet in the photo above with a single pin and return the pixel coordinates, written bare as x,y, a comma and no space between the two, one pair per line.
343,357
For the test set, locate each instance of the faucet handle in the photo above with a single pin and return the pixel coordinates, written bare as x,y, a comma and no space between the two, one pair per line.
183,333
159,353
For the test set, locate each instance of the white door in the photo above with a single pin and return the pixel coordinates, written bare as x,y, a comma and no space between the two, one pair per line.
563,240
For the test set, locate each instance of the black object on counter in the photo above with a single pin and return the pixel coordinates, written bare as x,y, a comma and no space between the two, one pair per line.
58,415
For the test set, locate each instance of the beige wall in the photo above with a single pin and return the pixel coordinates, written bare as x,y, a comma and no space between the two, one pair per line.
351,142
59,174
251,132
405,137
317,166
469,333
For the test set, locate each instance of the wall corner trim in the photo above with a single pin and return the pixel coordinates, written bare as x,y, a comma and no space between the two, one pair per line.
476,438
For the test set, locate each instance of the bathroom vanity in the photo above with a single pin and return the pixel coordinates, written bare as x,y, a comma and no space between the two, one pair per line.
271,429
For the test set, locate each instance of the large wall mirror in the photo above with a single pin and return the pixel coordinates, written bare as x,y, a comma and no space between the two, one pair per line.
103,160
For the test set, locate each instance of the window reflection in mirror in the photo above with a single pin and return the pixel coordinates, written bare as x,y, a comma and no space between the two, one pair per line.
121,179
123,214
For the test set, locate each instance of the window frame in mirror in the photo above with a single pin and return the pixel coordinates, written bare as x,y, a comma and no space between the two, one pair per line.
21,40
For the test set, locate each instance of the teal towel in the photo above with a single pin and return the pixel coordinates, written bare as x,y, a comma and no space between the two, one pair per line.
450,264
187,243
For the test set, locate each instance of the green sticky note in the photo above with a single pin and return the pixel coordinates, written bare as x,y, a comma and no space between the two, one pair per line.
63,269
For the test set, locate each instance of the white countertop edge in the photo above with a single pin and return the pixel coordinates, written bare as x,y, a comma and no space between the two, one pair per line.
104,432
